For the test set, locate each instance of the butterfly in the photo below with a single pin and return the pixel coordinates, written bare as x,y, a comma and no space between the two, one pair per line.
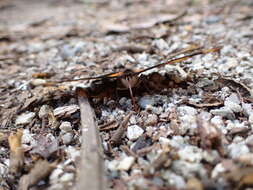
103,85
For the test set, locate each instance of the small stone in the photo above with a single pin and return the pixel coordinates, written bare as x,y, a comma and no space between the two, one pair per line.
161,44
157,181
67,138
188,169
146,101
246,159
126,163
224,112
236,150
134,132
27,138
251,119
67,177
247,109
122,101
54,177
65,126
25,118
72,153
212,19
165,115
218,169
132,120
151,120
236,108
3,170
190,153
174,179
233,98
164,141
38,82
187,110
44,111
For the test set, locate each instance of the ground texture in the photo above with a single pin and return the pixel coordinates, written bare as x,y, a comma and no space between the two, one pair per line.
192,125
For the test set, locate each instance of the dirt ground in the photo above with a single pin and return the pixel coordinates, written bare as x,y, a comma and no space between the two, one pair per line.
184,126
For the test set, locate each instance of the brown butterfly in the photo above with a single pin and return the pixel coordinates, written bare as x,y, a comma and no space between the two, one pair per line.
129,78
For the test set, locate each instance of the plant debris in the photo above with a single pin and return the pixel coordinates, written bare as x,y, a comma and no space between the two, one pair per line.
126,94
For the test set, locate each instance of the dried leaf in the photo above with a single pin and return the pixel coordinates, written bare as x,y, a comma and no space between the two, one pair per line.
16,152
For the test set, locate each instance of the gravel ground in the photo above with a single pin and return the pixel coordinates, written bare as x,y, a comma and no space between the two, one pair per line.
194,124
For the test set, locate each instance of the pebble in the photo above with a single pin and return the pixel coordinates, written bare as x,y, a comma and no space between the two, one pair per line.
249,140
25,118
146,101
224,112
251,119
72,153
212,19
233,98
55,175
67,177
174,179
134,132
161,44
38,82
67,138
190,153
236,108
151,120
247,109
236,150
177,142
27,138
188,169
218,169
65,127
126,163
164,141
44,111
3,170
157,181
187,110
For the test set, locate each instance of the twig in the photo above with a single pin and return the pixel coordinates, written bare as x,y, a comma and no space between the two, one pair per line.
116,138
91,172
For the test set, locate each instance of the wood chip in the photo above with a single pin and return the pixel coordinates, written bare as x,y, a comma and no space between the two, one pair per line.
16,152
117,136
91,170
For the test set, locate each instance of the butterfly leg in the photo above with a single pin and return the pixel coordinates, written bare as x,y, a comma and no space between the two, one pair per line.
135,106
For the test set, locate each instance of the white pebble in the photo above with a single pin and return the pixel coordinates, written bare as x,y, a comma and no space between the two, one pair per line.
66,126
217,170
134,132
67,177
67,138
126,163
25,118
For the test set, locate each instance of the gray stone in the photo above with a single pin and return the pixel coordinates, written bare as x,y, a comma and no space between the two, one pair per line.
67,138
